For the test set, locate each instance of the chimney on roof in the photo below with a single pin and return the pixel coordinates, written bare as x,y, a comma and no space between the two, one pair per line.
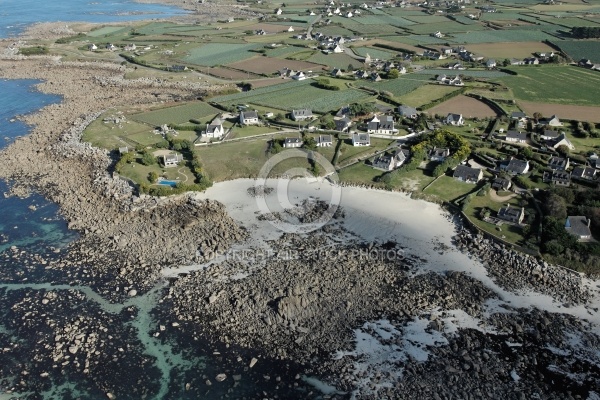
589,221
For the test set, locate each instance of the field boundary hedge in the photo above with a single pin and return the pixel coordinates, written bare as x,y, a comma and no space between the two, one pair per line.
442,99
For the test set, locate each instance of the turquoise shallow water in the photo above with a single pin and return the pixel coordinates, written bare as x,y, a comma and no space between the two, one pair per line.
34,220
16,15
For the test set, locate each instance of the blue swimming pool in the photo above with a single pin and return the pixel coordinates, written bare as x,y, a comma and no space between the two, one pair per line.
167,183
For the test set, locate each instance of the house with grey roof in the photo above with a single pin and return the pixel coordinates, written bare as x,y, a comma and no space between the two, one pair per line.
248,117
172,160
384,126
516,137
501,184
518,115
302,114
292,142
215,129
551,121
408,112
562,140
515,166
439,154
361,139
558,163
558,178
579,226
549,135
324,141
512,214
585,173
467,174
342,124
389,162
455,119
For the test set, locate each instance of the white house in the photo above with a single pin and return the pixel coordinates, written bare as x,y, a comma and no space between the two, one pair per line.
302,114
516,137
92,47
215,129
324,141
291,29
292,142
361,139
299,76
248,118
172,160
455,119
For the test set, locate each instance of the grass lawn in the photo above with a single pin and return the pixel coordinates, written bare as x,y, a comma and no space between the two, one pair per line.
349,152
111,136
414,180
425,94
139,173
507,232
448,188
360,174
583,145
177,114
250,130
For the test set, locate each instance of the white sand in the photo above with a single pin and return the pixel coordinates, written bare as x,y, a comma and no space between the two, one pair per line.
377,215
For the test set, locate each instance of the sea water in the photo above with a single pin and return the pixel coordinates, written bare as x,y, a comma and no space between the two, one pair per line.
31,220
15,16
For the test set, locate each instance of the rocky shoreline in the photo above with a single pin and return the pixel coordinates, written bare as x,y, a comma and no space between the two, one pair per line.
308,302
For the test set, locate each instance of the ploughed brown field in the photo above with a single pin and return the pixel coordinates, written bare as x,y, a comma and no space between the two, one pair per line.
503,50
467,106
268,65
562,111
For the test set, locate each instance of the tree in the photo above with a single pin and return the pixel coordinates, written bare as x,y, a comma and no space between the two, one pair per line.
276,147
152,177
148,158
310,143
506,62
537,116
527,152
350,67
556,206
563,150
362,108
279,117
393,74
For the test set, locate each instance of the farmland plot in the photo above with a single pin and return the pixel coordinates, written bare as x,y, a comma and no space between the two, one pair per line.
508,50
555,84
398,87
467,72
177,114
517,35
578,49
374,53
268,65
467,106
220,53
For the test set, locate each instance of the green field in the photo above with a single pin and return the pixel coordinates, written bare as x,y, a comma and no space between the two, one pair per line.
108,135
448,188
177,114
495,36
398,87
425,94
349,152
506,232
374,53
466,72
578,49
304,96
555,84
360,173
213,54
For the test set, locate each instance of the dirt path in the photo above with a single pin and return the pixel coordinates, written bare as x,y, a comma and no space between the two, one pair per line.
500,199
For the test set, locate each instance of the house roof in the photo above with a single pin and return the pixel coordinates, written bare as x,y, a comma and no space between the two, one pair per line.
518,114
171,157
248,114
292,140
304,112
561,177
516,135
454,117
584,172
550,134
467,173
325,139
515,165
578,226
407,110
509,212
502,183
383,161
361,137
557,162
